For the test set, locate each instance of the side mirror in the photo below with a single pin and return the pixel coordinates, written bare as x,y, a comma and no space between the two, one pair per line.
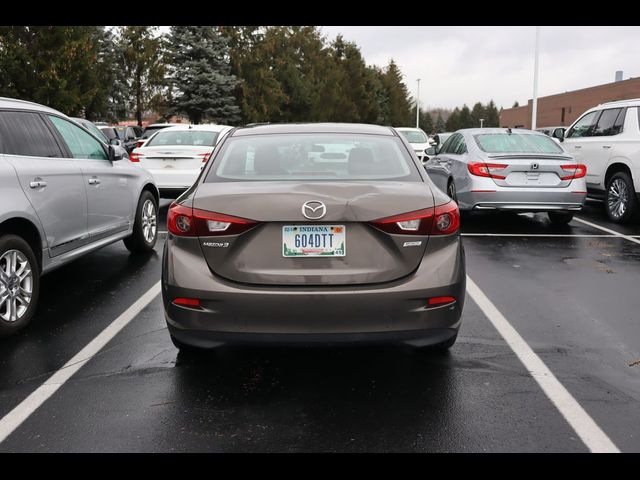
115,141
430,151
116,153
559,134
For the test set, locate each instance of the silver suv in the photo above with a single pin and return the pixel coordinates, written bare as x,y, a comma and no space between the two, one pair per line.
63,193
606,139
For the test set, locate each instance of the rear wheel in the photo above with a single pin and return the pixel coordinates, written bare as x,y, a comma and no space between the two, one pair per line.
451,191
621,201
560,218
19,284
439,347
145,229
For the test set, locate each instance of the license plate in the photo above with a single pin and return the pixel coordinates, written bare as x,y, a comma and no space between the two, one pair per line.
313,240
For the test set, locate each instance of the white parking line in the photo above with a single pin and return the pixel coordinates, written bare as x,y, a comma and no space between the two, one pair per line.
613,232
543,235
20,413
588,431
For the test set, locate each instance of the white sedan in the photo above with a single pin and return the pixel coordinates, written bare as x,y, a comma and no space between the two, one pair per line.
175,155
418,140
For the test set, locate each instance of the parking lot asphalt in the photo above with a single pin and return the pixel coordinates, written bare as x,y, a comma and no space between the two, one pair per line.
569,292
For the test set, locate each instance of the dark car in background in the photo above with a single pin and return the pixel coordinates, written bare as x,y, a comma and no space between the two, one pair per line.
128,135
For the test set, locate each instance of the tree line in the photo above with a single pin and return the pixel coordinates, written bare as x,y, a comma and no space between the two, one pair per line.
229,75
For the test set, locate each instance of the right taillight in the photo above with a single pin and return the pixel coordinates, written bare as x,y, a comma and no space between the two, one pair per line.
135,156
440,220
481,169
577,170
184,221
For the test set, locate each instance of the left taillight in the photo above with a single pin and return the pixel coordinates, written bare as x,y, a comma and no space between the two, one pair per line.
205,156
440,220
577,171
135,156
184,221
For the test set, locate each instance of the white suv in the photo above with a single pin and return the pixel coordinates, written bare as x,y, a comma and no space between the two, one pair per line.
606,139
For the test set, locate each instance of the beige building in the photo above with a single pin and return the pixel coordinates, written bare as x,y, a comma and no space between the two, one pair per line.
564,108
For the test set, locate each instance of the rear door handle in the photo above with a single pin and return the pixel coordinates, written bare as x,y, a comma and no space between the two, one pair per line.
606,146
37,183
94,181
577,146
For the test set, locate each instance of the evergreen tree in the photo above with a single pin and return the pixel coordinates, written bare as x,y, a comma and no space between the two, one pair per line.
201,79
453,122
398,95
440,125
62,67
492,115
142,62
478,112
465,117
426,122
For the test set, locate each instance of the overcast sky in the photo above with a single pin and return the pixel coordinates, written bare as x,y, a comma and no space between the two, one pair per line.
468,64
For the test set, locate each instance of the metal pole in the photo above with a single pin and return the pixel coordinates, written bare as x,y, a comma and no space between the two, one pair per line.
418,106
534,112
481,122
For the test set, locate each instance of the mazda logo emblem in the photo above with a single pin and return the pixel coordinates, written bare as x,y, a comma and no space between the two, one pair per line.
314,210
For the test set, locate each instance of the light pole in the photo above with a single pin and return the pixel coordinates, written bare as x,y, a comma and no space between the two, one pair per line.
481,122
418,106
534,111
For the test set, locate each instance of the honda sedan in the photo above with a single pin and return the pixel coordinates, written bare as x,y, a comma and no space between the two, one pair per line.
505,169
275,243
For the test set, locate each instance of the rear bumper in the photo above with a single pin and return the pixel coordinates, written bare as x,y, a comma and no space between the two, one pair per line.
169,179
394,312
523,200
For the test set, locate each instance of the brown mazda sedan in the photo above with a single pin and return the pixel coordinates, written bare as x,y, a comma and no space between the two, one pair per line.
314,233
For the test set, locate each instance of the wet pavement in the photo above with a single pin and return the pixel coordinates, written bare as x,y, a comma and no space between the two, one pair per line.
570,292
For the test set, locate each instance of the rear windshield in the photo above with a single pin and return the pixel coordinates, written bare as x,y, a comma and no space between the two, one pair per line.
151,130
183,137
516,143
414,136
311,157
109,132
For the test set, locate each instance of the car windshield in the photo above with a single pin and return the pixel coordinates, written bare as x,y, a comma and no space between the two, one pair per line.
516,143
311,157
414,136
183,137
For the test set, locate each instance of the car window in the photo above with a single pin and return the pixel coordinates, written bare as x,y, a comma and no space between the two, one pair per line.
446,147
25,133
109,132
80,143
183,137
516,143
607,123
96,131
582,128
461,146
455,142
309,157
414,136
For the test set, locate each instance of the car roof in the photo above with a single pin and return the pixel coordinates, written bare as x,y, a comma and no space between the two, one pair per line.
6,102
155,125
197,128
631,102
474,131
409,129
353,128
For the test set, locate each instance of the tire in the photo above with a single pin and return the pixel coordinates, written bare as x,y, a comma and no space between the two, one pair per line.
560,218
621,202
17,308
145,229
451,191
439,347
185,349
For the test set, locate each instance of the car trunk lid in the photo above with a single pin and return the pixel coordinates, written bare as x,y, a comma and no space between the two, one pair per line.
529,170
257,256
